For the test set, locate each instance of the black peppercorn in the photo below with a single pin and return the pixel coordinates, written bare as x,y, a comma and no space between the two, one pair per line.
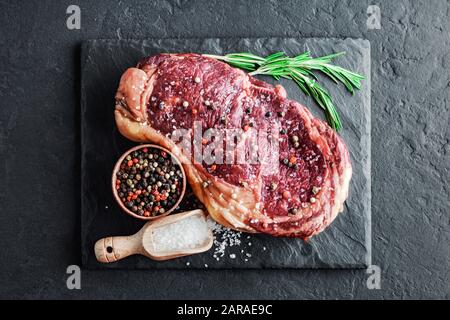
148,188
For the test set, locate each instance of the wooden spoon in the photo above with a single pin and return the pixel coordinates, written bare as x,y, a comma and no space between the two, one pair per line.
111,249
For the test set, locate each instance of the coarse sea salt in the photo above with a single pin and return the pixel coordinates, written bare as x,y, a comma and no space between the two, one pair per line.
223,239
188,233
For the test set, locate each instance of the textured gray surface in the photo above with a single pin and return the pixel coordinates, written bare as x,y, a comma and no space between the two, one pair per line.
346,244
39,139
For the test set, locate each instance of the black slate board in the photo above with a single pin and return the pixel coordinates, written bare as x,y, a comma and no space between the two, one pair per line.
345,244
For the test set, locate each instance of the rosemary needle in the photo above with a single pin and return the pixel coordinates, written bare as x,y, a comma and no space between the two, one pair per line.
300,69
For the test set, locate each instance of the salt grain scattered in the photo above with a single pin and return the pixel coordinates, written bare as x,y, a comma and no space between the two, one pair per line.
223,238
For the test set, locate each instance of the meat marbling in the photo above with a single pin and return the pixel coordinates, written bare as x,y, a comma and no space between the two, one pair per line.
297,193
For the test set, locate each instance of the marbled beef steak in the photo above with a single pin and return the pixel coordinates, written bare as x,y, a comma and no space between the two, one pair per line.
297,193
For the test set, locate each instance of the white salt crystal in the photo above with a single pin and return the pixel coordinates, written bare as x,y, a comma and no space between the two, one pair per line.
187,233
223,238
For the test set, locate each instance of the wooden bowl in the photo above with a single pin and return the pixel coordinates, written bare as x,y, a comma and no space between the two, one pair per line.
114,178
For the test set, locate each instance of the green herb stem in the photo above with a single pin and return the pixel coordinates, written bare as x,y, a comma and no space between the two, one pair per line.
300,69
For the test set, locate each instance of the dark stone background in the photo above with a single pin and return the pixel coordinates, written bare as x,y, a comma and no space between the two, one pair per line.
40,138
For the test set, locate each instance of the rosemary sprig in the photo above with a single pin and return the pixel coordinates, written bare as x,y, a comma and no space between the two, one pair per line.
300,69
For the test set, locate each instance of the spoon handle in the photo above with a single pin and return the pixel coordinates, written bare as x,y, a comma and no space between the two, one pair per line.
111,249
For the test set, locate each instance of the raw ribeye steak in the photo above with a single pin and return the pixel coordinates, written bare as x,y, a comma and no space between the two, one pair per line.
300,179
